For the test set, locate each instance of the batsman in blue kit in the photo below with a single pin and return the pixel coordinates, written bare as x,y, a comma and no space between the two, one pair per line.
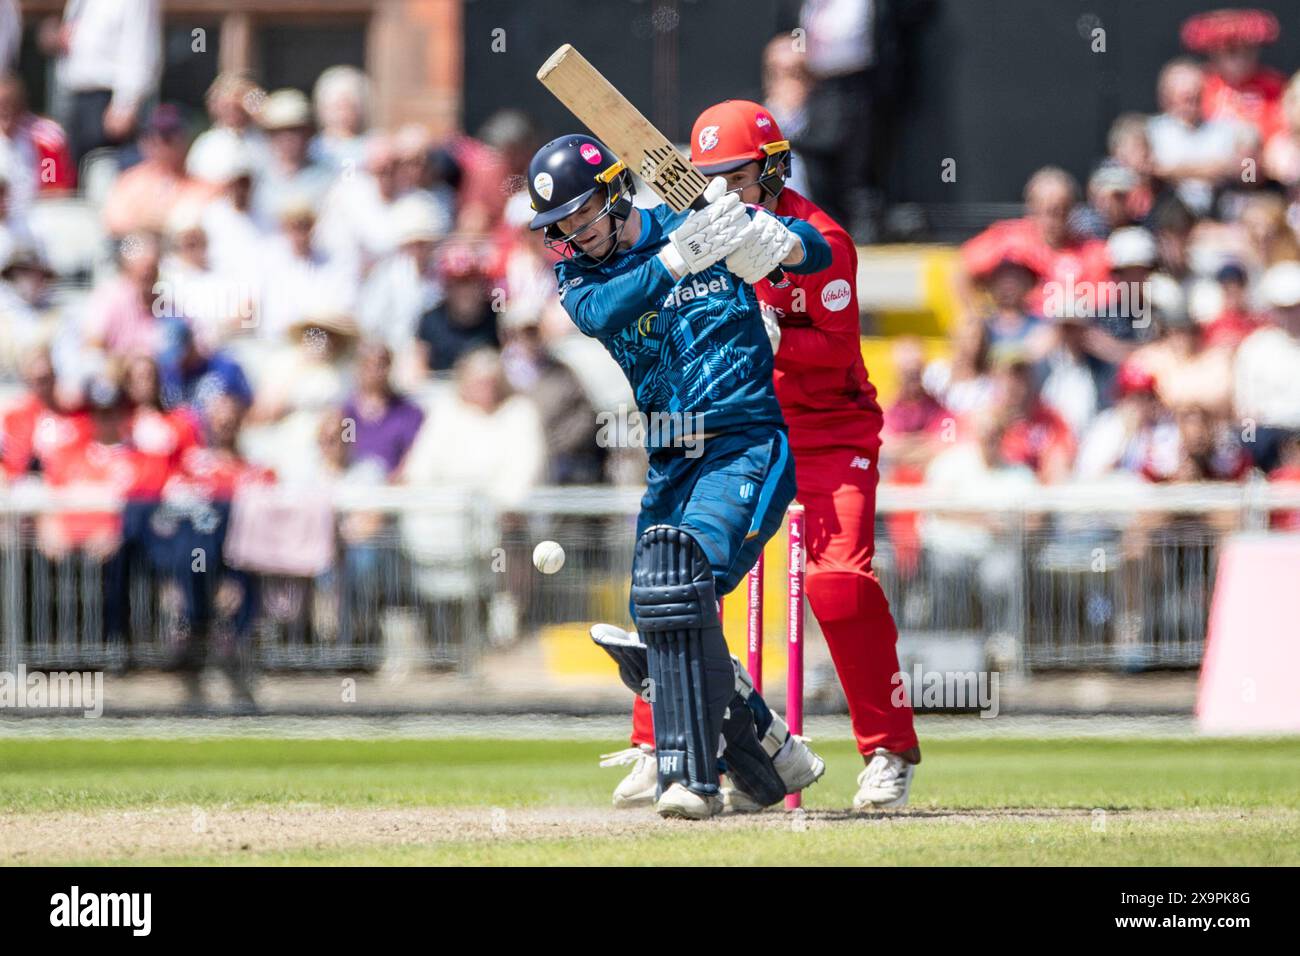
670,297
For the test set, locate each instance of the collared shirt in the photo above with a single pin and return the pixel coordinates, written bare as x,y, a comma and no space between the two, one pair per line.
115,45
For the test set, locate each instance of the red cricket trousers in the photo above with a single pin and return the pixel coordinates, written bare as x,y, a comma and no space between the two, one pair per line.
837,488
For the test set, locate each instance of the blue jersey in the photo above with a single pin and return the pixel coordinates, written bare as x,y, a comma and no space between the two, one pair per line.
694,349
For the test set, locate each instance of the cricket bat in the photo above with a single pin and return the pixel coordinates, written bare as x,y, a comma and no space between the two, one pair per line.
633,138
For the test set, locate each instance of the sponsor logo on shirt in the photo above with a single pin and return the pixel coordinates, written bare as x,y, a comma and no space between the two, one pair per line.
836,295
694,289
860,461
568,284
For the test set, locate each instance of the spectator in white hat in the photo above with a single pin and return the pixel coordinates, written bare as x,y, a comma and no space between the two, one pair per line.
1267,371
342,99
1108,206
296,271
1123,317
404,284
286,117
232,99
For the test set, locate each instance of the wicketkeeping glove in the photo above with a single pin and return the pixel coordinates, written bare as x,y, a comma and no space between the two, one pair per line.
765,245
708,235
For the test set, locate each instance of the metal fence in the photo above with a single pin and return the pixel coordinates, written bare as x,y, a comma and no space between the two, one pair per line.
1075,576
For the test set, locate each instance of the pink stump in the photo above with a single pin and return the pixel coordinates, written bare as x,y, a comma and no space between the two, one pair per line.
755,622
794,637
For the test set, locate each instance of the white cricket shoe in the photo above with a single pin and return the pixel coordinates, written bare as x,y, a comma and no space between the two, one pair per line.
885,783
735,800
797,764
685,804
637,789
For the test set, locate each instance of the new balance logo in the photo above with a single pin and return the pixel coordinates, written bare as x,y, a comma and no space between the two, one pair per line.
861,461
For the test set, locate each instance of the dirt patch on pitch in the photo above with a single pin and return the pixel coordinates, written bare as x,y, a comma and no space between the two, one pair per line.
150,834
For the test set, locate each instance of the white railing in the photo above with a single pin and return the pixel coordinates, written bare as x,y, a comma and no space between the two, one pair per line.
1113,574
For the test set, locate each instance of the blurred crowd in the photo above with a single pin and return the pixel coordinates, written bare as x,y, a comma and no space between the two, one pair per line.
280,292
1144,326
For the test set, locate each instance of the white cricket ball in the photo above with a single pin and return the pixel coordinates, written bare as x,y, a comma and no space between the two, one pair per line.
548,557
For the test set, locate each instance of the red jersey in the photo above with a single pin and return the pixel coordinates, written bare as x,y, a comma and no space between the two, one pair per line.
1257,101
88,464
157,441
1285,520
214,475
1040,440
17,427
1077,264
1230,329
31,432
821,381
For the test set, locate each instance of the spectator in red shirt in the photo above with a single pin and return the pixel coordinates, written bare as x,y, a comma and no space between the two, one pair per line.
1034,435
38,433
158,437
1237,86
37,148
154,441
84,454
1236,319
18,421
1042,237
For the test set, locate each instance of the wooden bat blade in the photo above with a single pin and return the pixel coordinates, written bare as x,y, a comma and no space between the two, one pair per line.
616,122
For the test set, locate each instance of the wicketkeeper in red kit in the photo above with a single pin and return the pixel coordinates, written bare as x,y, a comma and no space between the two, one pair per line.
834,422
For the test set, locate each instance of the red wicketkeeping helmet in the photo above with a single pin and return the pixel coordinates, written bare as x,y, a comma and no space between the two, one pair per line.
736,132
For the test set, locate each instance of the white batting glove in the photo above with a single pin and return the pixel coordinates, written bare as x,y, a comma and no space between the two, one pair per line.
766,244
708,235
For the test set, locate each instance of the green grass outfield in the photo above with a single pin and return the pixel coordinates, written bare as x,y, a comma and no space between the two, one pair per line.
281,801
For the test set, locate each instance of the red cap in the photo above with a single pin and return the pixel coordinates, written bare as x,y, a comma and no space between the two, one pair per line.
1221,29
1133,379
461,259
733,133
